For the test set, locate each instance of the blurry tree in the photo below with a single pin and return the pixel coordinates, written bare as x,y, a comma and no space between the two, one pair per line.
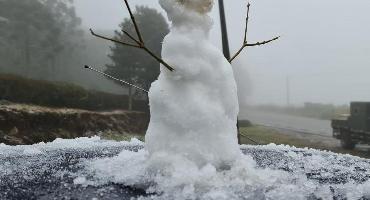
133,65
70,41
43,39
36,34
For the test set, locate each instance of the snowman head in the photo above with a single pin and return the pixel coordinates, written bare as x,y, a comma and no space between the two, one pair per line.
189,14
200,6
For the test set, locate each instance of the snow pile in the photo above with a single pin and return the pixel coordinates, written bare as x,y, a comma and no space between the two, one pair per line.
78,143
193,109
173,177
275,172
282,172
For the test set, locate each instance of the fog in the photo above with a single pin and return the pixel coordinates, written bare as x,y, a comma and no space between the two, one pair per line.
324,49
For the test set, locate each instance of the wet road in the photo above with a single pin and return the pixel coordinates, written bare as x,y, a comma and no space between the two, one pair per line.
294,123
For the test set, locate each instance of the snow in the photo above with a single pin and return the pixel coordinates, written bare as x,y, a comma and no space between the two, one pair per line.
78,143
175,177
79,180
193,109
191,149
262,172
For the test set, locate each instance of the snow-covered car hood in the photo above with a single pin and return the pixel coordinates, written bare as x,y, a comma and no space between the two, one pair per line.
60,170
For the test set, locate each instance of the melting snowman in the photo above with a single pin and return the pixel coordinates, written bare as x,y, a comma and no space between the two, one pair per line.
193,109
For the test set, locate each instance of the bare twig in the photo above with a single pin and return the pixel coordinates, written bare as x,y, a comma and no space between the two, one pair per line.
116,79
236,54
250,139
134,22
245,41
131,37
139,43
160,60
112,40
262,43
246,23
252,45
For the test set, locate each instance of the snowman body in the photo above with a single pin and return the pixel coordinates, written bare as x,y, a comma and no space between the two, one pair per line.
194,108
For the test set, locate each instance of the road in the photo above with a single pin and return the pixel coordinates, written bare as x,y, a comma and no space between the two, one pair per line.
293,123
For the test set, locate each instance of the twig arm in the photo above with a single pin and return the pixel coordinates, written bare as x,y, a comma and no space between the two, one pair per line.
116,79
112,40
142,46
245,41
252,45
134,22
261,43
139,45
236,54
132,38
160,60
246,23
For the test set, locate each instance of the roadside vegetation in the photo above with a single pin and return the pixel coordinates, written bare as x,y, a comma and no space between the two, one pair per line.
264,135
122,137
62,95
311,110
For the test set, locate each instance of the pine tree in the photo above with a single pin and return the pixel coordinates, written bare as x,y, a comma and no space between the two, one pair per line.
133,65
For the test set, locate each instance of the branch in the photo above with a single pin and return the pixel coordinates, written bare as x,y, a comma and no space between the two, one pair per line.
262,43
139,43
132,38
160,60
245,42
116,79
246,136
134,22
246,23
142,46
112,40
252,45
139,46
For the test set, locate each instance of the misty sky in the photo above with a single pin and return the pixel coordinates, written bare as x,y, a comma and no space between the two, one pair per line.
324,49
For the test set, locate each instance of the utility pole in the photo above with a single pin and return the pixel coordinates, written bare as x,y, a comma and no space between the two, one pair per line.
288,91
225,39
225,44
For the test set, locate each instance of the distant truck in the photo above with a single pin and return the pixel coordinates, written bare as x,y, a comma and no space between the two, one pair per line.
354,128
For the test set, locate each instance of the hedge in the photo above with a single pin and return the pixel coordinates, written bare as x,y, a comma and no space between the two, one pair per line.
61,95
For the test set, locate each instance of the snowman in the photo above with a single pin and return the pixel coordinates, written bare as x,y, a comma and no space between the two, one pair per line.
194,108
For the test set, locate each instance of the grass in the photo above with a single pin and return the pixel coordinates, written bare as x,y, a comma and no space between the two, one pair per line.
121,137
264,135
